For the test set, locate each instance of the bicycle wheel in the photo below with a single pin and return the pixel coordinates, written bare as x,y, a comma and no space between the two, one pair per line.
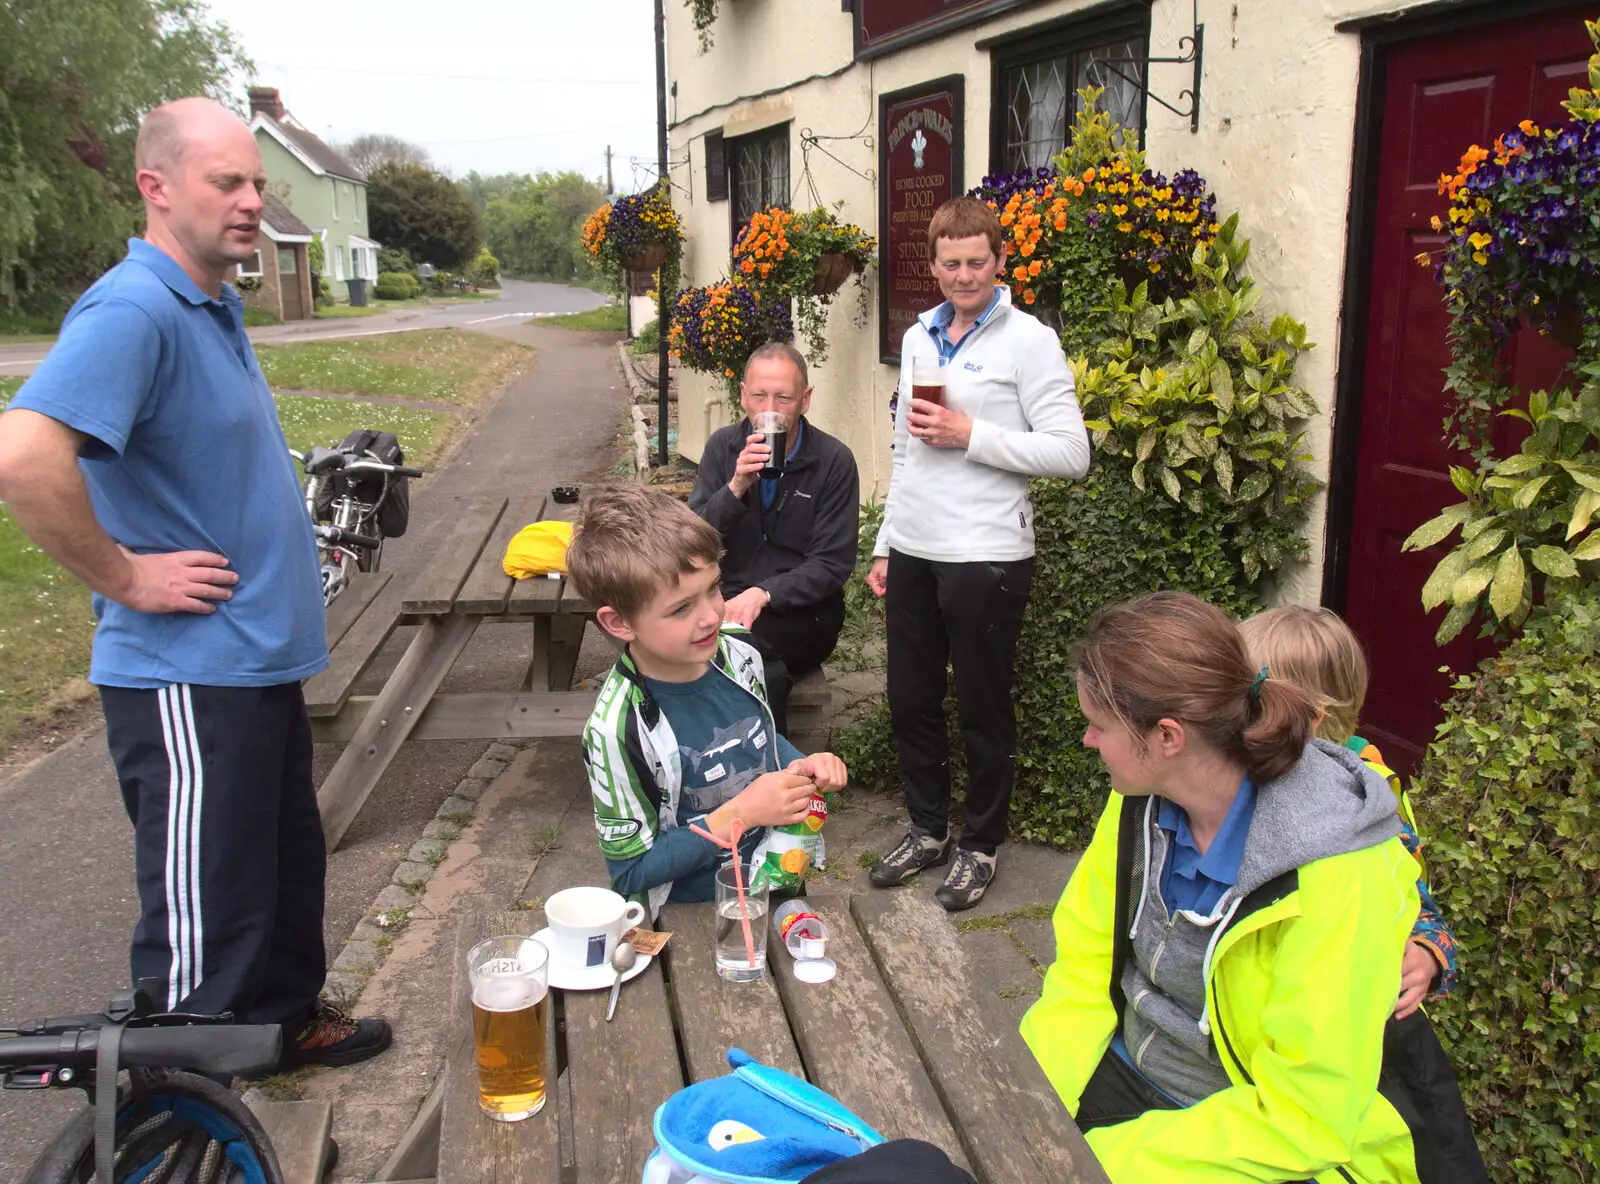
190,1131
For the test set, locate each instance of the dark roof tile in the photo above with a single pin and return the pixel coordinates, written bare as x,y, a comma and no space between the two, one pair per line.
280,217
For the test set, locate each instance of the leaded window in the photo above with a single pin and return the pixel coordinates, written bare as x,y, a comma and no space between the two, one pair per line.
758,167
1037,83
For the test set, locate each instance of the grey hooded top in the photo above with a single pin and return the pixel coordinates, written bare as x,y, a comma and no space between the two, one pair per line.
1330,803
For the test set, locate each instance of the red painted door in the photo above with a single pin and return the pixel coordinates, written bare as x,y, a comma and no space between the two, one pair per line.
1440,95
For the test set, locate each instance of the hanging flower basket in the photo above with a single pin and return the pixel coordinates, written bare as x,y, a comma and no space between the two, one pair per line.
647,258
802,257
833,268
637,234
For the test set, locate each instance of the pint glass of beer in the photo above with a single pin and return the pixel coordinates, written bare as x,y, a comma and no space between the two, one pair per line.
510,1008
927,380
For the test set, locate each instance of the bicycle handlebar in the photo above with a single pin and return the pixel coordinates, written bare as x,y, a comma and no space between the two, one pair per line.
354,464
373,466
227,1048
340,537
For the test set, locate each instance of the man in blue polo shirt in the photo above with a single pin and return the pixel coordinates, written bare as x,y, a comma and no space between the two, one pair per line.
145,456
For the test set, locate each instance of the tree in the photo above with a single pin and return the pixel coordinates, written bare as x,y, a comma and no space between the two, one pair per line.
371,152
533,226
421,212
76,76
484,189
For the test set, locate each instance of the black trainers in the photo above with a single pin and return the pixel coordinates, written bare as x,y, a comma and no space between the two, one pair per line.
335,1038
971,873
916,851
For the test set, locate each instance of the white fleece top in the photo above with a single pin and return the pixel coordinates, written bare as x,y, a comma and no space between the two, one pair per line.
1011,379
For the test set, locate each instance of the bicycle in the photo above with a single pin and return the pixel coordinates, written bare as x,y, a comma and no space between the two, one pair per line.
355,500
168,1125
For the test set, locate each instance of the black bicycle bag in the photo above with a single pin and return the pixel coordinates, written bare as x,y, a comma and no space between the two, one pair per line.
391,494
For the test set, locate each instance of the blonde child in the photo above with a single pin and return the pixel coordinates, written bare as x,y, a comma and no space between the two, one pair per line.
1316,651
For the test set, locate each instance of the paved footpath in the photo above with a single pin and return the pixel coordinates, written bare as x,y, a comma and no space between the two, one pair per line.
65,843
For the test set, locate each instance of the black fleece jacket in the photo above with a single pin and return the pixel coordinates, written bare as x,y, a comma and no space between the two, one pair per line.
801,551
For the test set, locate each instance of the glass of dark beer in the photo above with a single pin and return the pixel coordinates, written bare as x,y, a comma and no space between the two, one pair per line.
927,380
774,429
510,1016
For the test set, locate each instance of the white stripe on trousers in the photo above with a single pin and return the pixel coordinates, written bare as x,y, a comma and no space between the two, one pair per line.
185,794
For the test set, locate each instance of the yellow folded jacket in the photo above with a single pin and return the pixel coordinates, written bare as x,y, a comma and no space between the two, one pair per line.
538,549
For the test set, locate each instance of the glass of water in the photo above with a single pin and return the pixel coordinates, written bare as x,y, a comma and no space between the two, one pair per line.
741,922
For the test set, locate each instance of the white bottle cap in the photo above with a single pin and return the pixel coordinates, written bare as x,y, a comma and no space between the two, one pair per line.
813,947
814,970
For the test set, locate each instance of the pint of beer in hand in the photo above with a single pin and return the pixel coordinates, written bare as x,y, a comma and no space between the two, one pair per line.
510,1011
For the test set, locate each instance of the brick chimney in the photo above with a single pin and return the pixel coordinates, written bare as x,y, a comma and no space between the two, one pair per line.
265,99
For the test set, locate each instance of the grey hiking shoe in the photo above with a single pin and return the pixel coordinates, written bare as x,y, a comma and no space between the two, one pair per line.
916,851
971,873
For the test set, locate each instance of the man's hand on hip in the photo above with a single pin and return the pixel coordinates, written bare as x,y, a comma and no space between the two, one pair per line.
744,608
939,427
747,469
176,582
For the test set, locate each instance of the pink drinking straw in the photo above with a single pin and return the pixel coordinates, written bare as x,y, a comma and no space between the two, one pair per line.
735,831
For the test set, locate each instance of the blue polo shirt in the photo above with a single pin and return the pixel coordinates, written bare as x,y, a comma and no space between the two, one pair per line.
1194,881
944,315
185,454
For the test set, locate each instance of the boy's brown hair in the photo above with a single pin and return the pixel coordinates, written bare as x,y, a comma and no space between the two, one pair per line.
1314,649
965,217
631,541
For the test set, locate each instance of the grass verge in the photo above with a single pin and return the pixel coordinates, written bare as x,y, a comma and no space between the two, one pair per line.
608,318
309,420
435,365
342,311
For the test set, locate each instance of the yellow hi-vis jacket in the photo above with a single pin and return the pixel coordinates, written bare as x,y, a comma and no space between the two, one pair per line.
1297,992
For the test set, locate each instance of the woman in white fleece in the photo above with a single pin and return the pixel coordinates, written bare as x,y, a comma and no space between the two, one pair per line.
955,554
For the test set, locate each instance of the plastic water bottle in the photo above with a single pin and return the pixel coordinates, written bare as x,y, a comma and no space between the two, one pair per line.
802,932
805,936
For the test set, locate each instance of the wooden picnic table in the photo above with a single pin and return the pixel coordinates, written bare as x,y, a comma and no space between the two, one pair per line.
463,587
910,1034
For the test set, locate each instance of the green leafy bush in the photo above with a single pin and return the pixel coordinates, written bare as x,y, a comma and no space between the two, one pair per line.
396,285
647,341
1508,798
484,270
1527,526
394,259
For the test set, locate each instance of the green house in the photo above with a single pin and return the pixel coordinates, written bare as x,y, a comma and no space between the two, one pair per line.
321,187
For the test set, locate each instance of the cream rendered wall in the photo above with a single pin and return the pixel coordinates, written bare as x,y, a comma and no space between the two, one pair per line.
1275,140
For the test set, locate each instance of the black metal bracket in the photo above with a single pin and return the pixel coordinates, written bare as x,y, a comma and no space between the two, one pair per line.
1195,54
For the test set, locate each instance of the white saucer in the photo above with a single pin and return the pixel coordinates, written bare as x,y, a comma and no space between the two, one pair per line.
585,978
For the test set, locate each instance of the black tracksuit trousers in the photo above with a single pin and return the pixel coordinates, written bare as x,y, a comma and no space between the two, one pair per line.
228,847
968,615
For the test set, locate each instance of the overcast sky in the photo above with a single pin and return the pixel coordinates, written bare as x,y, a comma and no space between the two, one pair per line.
494,85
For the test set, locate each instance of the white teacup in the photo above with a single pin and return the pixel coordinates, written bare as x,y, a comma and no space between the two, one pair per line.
587,923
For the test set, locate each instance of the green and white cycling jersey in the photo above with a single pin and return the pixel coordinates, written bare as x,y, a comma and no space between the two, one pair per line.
635,763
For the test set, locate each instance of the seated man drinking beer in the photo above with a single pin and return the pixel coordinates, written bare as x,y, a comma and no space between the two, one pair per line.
785,503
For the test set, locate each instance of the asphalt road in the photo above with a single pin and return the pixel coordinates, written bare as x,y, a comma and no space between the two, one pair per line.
65,843
518,301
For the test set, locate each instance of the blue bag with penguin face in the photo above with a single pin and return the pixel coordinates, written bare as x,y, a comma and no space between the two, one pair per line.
758,1125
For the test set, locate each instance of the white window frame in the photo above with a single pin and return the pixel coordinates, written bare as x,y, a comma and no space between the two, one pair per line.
294,264
336,201
338,262
258,272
